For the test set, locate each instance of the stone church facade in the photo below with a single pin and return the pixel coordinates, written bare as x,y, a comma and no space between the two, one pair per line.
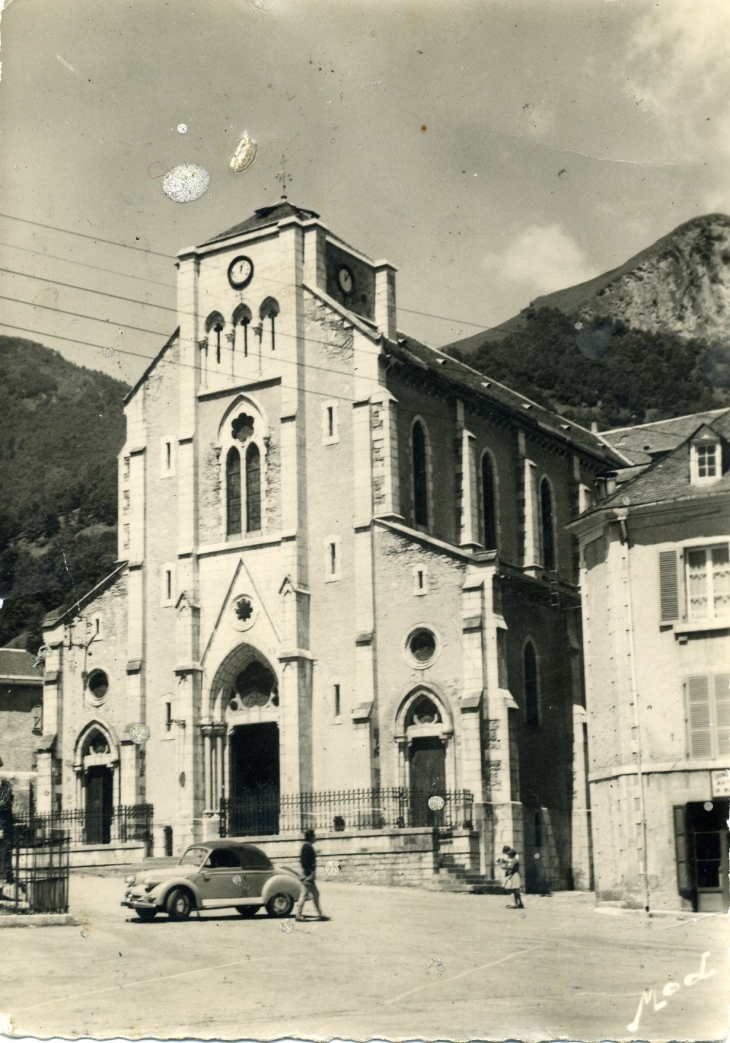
343,566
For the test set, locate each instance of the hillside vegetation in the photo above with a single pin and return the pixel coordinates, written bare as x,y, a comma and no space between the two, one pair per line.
61,428
603,372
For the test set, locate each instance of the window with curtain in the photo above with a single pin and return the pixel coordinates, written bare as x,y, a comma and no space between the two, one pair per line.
489,503
532,709
420,475
233,492
253,488
547,524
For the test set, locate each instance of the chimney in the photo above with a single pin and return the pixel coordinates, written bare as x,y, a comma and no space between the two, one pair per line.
385,317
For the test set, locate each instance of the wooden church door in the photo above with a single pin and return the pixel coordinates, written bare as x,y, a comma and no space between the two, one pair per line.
428,777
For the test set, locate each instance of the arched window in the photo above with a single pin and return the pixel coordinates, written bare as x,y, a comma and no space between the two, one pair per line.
242,317
423,711
532,694
214,326
489,502
420,475
233,492
253,686
547,524
253,488
267,313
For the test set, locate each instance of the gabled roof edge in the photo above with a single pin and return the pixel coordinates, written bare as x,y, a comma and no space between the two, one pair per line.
133,391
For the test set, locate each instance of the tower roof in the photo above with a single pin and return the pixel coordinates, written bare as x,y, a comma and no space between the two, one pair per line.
265,215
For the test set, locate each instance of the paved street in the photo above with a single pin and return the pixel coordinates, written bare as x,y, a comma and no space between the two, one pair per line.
390,963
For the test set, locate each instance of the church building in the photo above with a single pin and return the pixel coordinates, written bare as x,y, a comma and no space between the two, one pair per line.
345,596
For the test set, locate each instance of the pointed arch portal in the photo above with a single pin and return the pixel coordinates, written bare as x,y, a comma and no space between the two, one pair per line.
424,730
243,767
95,752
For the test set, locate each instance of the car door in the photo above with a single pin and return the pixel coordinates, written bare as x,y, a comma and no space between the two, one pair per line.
221,881
257,870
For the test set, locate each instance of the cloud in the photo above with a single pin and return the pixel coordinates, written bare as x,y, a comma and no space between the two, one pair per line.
543,258
679,62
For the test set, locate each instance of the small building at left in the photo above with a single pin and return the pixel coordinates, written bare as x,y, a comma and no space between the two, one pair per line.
21,722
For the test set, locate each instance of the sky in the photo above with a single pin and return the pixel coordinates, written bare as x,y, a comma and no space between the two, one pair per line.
494,151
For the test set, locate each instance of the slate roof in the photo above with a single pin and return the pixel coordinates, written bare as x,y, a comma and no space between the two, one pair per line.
668,477
16,663
642,442
57,615
462,377
265,215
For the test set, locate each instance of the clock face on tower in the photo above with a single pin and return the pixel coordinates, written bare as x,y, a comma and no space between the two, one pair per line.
240,272
344,279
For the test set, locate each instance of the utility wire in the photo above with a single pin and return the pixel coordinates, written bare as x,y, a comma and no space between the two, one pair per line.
154,333
86,289
84,264
293,362
163,307
84,235
186,365
127,246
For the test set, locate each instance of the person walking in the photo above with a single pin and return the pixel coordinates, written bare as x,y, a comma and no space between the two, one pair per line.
308,862
510,862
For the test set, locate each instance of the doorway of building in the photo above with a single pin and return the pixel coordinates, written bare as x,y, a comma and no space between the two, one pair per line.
99,805
254,780
709,834
427,776
702,854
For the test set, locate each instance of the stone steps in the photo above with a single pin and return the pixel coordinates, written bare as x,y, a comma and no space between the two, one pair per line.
455,877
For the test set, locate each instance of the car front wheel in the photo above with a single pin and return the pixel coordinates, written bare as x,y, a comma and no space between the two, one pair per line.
146,914
280,904
247,911
179,904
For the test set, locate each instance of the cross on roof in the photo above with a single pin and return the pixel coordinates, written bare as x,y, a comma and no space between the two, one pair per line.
283,177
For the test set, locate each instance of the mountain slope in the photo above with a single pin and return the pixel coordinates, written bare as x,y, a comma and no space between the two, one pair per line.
680,285
61,428
604,373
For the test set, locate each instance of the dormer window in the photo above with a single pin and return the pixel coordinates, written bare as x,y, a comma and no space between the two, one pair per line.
705,460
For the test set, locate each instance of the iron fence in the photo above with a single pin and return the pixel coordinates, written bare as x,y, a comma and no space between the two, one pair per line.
35,873
342,811
127,822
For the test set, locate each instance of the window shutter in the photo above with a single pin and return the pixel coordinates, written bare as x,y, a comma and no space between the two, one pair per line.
681,844
700,723
722,714
668,585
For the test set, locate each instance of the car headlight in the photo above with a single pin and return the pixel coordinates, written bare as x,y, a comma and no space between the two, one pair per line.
149,887
130,879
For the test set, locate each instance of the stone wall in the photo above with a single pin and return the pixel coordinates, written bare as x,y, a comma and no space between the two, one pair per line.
396,858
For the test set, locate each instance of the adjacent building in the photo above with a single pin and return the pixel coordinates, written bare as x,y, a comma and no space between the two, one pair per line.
655,579
21,722
344,570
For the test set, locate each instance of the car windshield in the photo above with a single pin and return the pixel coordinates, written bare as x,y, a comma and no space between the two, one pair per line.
194,856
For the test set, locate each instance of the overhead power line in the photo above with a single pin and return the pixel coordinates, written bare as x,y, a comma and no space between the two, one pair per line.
98,239
292,336
87,289
186,365
85,264
165,307
151,358
85,235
